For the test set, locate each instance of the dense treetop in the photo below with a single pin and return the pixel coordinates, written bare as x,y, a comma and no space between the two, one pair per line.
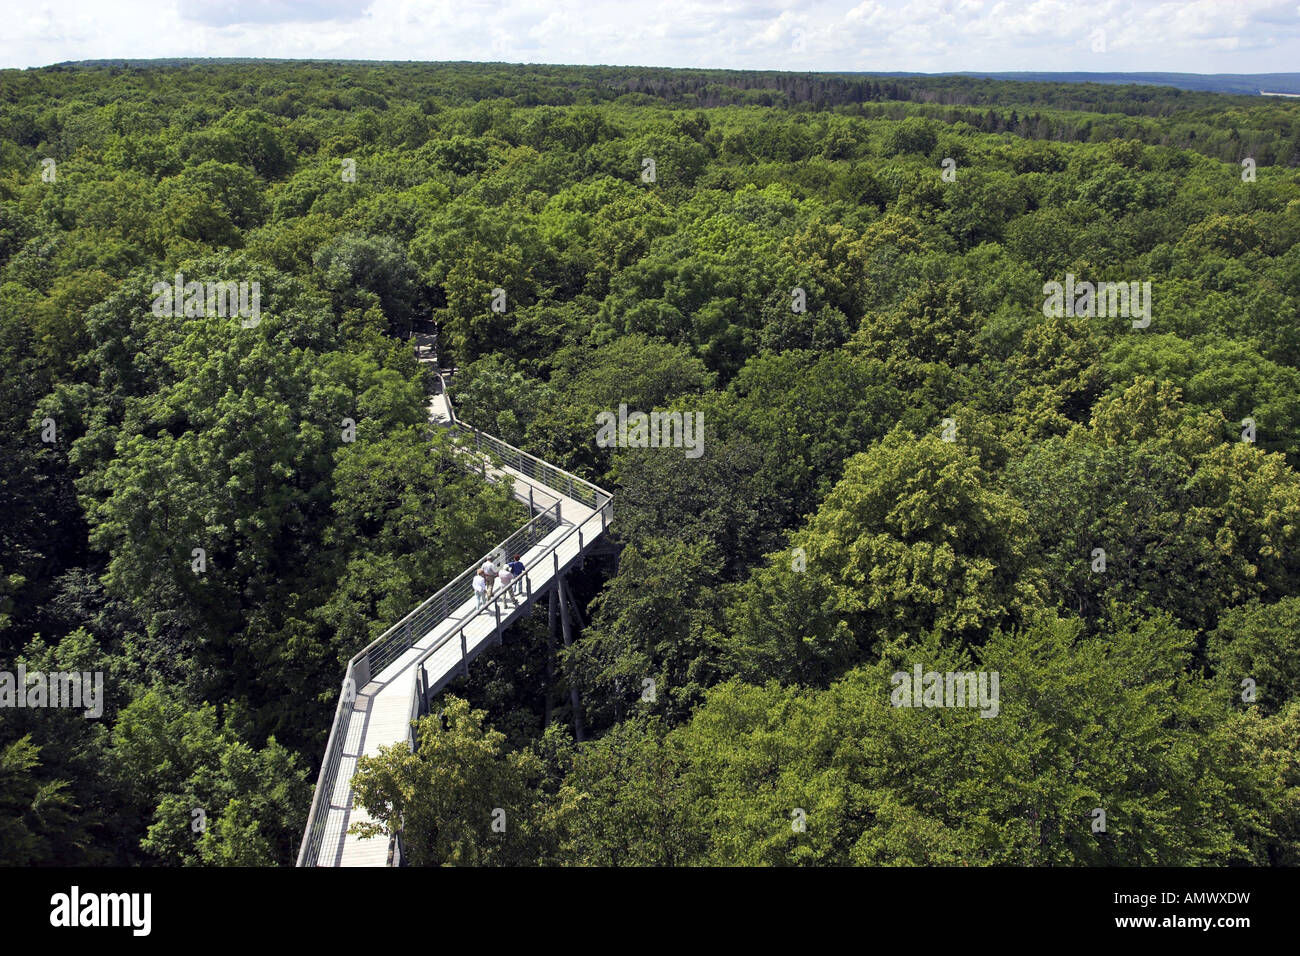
905,459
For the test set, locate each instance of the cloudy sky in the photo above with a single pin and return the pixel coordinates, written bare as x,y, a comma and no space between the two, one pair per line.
1203,36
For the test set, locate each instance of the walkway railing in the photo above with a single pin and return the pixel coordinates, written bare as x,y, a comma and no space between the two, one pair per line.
543,472
314,835
587,531
399,638
540,471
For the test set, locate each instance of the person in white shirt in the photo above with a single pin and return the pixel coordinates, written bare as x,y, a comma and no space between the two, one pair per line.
480,591
504,579
489,572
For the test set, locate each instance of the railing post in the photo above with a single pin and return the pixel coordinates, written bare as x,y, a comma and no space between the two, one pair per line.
555,558
497,603
464,653
528,592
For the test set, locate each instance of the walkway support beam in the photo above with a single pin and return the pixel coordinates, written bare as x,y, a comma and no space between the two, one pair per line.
575,701
552,619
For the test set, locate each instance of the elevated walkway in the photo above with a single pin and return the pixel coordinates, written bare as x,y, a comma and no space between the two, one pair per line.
389,683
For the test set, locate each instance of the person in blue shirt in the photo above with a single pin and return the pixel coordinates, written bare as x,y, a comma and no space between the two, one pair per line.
517,569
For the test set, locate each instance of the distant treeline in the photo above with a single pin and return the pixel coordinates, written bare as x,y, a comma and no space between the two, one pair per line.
1217,125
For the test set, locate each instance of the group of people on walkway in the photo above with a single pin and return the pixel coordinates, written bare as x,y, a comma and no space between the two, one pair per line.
511,578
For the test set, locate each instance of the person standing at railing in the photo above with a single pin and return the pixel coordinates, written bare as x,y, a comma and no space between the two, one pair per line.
480,590
516,569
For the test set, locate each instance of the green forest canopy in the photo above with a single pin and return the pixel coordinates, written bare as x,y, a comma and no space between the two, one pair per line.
920,467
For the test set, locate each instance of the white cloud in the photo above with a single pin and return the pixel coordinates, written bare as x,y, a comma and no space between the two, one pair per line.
226,12
1243,36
